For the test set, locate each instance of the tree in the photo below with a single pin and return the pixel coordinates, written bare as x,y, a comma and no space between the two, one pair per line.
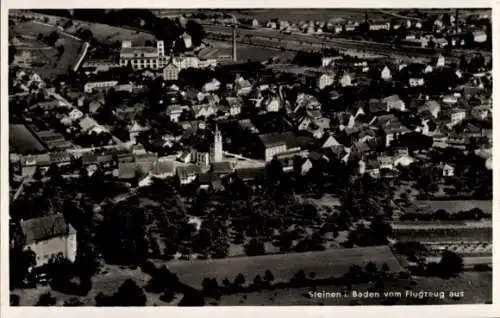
255,248
60,50
23,260
52,38
129,294
451,263
210,287
12,53
299,277
257,280
122,234
240,280
268,276
38,174
73,302
14,300
381,230
285,241
46,299
371,268
385,268
192,298
196,31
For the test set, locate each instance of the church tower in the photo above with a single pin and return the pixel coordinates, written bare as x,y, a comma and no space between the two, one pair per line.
216,152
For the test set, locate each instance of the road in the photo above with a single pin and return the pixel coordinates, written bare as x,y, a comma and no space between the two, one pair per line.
304,42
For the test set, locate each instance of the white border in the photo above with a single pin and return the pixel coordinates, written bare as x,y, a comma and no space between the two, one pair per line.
241,311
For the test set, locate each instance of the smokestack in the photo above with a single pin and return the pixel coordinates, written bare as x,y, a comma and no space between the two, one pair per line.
235,56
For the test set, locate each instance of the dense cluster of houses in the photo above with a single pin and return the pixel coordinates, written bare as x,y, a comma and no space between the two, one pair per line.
299,130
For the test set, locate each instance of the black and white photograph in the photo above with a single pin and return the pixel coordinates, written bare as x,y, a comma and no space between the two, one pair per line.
249,157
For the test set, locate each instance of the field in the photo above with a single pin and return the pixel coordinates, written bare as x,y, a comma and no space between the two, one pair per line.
51,64
23,141
445,235
107,282
454,206
330,263
477,288
108,34
247,52
297,15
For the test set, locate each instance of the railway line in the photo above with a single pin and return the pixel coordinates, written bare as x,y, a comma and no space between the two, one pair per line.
299,42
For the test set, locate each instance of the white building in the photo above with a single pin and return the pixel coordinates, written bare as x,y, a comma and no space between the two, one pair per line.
48,237
386,74
325,80
144,56
211,86
441,61
91,87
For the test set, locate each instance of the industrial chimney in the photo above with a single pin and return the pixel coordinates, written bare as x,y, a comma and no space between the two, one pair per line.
235,56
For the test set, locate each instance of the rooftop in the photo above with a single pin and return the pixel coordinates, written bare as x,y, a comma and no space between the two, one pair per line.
276,139
44,228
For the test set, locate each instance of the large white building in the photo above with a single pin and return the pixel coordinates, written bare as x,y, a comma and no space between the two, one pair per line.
141,57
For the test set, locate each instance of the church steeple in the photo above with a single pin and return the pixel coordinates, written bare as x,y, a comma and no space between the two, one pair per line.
217,149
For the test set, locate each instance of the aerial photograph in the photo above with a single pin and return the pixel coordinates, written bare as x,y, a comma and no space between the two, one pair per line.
250,157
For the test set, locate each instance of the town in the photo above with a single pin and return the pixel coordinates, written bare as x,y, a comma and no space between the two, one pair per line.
239,157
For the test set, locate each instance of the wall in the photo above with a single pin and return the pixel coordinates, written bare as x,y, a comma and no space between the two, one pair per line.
44,250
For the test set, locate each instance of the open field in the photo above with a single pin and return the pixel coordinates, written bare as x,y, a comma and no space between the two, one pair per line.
52,65
297,15
454,206
23,140
477,288
248,52
329,263
466,234
108,34
107,282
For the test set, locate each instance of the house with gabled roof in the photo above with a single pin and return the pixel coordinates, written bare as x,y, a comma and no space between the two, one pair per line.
48,237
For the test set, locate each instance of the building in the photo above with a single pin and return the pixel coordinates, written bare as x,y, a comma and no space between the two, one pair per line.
202,158
278,143
393,102
216,151
171,72
186,61
142,57
458,115
480,36
101,65
440,61
174,112
380,26
386,74
416,81
186,38
49,237
325,80
345,80
211,86
187,174
91,87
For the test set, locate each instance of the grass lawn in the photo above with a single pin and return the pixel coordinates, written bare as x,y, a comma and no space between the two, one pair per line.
454,206
247,52
467,234
329,263
296,15
23,140
51,63
108,34
477,288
